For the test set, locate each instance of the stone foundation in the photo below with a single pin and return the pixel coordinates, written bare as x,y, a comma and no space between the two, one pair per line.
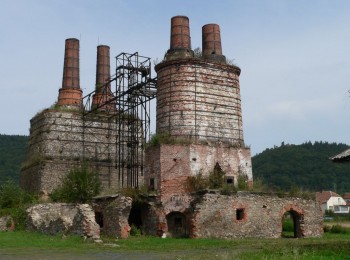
240,215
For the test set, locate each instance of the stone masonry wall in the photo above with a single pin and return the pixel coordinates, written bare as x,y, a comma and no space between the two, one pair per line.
53,218
216,216
115,211
61,140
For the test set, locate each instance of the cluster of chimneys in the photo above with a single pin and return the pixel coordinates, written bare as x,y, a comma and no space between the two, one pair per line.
180,41
70,94
180,47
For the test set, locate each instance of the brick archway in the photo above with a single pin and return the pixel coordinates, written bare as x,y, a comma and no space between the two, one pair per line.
177,224
297,217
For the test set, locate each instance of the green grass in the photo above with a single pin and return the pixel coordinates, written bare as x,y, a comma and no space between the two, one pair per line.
20,243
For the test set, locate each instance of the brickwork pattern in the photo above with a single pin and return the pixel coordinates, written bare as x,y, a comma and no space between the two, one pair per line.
216,216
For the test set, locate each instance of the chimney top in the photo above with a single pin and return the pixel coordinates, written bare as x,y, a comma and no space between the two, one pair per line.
211,43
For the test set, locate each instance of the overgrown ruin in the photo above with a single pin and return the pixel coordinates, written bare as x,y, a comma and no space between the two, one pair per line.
198,127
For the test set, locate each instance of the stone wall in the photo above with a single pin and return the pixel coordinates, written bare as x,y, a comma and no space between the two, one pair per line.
53,218
113,212
253,215
61,140
7,223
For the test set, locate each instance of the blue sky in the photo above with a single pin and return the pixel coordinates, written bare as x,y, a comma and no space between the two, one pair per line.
294,57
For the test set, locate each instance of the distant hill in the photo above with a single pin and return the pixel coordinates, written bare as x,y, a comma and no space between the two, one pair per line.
305,166
12,152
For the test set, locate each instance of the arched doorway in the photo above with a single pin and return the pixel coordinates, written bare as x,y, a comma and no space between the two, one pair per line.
177,225
291,224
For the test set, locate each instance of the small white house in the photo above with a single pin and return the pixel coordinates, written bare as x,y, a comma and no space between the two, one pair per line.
330,200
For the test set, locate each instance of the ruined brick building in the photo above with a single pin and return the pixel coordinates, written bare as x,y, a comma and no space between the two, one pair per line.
199,125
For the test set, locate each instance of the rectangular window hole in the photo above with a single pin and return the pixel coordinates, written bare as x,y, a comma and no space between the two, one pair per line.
151,184
99,218
239,214
229,180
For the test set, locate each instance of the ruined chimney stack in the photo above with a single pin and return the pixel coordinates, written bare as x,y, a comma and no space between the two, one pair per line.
70,94
102,66
211,43
103,87
180,39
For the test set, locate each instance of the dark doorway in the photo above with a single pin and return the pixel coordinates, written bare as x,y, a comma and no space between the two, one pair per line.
291,222
99,218
135,218
177,225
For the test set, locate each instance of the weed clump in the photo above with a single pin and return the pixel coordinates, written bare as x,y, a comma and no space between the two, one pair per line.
79,186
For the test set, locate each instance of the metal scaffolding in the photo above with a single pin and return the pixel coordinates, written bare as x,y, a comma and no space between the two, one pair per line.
129,106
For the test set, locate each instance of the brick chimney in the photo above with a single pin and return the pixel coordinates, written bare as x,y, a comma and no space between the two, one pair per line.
103,87
180,39
211,43
70,94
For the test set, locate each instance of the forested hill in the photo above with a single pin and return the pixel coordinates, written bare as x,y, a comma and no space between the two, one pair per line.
305,166
12,152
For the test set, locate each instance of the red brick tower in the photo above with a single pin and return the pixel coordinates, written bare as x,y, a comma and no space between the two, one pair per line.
70,94
199,122
103,86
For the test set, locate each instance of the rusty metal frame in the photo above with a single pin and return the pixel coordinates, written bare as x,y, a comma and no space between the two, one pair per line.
134,89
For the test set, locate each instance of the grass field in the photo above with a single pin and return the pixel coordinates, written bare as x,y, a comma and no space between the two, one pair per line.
26,245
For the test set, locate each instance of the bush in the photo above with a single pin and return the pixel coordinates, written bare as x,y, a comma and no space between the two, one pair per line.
12,196
228,189
79,186
14,201
196,183
242,182
338,229
135,231
216,178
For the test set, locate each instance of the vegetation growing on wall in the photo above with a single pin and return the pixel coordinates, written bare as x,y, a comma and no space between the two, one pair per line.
166,138
215,180
79,186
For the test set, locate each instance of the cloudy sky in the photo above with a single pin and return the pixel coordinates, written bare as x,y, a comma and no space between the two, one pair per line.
294,56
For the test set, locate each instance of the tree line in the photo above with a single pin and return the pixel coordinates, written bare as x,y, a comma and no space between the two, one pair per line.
306,166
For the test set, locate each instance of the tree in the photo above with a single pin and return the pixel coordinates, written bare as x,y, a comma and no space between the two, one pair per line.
79,186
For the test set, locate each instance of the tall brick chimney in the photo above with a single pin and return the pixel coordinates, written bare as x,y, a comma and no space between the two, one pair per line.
103,87
211,43
180,39
70,94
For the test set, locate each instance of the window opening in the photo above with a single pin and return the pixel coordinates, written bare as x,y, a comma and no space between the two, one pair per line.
240,214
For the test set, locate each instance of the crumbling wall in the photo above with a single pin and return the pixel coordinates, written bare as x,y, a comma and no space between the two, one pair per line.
53,218
253,215
170,166
7,223
114,211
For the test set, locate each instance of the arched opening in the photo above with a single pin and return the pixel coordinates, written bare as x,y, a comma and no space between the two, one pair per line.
135,218
177,225
291,224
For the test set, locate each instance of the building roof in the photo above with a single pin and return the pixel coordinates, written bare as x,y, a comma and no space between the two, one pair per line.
346,196
324,196
341,157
